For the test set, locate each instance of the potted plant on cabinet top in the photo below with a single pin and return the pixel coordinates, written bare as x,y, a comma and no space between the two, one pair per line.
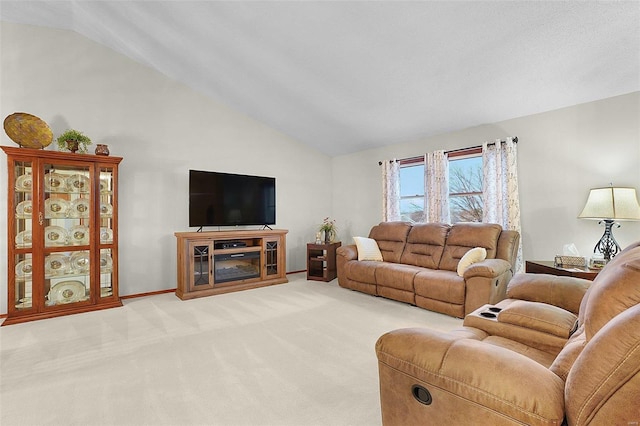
73,140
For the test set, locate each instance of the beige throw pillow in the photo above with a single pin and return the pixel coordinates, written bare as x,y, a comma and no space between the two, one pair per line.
474,255
368,249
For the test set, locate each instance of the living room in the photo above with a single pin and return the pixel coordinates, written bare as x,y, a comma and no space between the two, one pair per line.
163,127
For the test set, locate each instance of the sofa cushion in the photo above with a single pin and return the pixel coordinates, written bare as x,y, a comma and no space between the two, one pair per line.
475,255
465,236
362,271
391,238
396,275
440,285
425,244
367,249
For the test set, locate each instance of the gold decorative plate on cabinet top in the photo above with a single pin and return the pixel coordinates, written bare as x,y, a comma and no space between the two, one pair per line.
27,130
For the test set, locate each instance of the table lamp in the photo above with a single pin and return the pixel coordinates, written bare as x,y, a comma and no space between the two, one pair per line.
609,205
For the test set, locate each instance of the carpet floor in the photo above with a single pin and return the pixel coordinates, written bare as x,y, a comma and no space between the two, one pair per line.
300,353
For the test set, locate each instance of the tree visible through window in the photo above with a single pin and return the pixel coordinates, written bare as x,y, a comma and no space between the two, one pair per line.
465,189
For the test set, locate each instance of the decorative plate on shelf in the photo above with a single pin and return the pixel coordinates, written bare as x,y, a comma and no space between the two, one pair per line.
106,235
24,269
24,183
104,186
23,239
55,236
80,262
106,210
55,182
56,208
27,130
106,291
79,208
56,264
79,235
24,209
106,263
78,183
67,292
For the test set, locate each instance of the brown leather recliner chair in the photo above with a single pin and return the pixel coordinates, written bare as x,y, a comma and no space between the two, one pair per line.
559,350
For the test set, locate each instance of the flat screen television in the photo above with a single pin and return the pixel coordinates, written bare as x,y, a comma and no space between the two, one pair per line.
224,199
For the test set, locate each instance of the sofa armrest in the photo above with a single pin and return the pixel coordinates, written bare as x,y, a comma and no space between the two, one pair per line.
488,268
486,282
348,252
466,378
561,291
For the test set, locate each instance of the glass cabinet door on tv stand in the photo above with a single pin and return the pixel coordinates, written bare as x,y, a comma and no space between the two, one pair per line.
62,233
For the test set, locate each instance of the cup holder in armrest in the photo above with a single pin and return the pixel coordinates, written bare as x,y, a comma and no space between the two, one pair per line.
495,309
488,314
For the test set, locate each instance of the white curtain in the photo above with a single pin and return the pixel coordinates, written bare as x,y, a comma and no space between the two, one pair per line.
436,183
390,191
500,187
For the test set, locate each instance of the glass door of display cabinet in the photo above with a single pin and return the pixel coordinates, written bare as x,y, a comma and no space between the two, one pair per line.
22,213
67,230
107,224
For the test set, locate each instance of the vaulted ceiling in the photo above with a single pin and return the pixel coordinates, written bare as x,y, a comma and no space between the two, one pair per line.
344,76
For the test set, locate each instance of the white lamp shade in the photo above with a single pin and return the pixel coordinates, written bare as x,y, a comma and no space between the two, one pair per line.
612,203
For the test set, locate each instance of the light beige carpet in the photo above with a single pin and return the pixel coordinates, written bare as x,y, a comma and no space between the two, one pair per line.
300,353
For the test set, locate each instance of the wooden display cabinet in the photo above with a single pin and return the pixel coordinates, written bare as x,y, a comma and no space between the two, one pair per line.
62,233
321,261
224,261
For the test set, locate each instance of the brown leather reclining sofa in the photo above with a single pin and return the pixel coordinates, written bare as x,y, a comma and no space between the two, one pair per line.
420,265
558,350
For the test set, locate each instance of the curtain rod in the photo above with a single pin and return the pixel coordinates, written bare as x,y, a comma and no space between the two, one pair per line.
515,140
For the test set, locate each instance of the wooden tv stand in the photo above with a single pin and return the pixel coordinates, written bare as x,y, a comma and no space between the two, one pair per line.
224,261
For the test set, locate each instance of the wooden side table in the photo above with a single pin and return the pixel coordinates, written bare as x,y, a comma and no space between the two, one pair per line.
547,267
321,261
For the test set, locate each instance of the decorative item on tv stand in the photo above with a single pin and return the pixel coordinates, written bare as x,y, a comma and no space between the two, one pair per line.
608,205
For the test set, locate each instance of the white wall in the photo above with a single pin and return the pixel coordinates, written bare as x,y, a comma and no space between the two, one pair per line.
561,155
162,129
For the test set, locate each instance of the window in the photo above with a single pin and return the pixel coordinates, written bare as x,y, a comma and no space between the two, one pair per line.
465,188
412,192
